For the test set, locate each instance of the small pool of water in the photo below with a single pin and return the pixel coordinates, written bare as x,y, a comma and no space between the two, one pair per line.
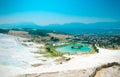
84,48
60,44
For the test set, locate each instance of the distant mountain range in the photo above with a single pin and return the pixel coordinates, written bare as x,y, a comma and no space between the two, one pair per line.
101,27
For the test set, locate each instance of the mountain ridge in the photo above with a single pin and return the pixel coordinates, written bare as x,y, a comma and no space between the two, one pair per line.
69,27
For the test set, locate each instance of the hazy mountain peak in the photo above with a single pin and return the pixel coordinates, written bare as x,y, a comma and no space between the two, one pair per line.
69,27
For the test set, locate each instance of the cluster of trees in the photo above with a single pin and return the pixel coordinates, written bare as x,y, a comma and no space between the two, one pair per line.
51,51
30,31
112,42
95,48
33,32
116,40
38,32
54,39
4,30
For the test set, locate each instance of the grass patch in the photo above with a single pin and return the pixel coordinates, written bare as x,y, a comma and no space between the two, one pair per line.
52,51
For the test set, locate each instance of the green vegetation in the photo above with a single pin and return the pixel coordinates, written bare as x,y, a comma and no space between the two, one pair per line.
38,32
33,32
4,30
54,39
108,41
52,51
95,48
31,40
77,47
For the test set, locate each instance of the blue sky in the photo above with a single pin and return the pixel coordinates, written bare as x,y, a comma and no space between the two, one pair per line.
44,12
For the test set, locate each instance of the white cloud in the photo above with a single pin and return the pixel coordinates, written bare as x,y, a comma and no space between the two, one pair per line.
43,18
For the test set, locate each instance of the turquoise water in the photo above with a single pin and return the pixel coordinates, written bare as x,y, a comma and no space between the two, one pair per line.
68,48
60,44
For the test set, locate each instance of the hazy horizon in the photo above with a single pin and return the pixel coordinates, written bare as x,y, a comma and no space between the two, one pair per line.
59,12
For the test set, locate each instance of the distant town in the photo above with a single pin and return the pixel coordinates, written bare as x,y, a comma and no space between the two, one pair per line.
110,41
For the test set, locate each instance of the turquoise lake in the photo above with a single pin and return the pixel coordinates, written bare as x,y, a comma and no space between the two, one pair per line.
69,48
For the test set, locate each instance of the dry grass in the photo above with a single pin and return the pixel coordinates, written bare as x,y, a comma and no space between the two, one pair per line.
59,36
